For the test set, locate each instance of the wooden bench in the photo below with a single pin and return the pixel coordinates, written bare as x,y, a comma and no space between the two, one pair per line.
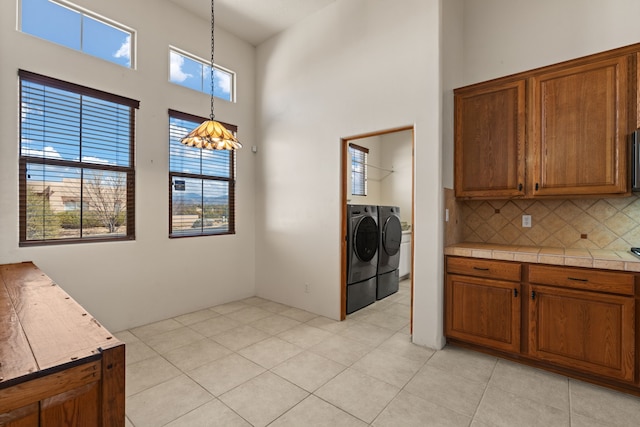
58,365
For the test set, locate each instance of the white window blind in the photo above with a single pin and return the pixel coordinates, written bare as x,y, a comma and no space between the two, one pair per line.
358,169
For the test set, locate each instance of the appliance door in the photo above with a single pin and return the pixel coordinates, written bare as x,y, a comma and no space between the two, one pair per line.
390,239
365,239
363,255
392,235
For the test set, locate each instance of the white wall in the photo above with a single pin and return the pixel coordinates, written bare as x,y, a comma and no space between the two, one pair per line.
390,162
396,187
502,37
374,174
452,76
125,284
355,67
507,36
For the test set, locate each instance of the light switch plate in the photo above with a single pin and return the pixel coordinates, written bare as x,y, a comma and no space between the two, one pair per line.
526,221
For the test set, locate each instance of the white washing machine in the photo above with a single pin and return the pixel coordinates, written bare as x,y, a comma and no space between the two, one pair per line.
362,256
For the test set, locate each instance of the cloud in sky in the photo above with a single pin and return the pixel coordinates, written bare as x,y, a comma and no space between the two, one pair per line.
125,50
222,80
26,110
175,68
96,160
48,152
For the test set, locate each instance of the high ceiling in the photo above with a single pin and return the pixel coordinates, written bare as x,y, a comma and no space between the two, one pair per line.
254,20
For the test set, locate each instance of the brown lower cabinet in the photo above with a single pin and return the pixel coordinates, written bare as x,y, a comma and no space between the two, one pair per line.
576,321
483,310
58,365
587,331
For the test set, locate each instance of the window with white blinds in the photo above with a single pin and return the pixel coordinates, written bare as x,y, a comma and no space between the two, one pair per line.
358,169
201,183
76,163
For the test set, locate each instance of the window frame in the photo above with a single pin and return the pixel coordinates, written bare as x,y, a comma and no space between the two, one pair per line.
231,180
204,63
364,173
96,17
24,160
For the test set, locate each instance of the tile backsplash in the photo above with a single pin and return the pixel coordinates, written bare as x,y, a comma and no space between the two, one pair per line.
577,223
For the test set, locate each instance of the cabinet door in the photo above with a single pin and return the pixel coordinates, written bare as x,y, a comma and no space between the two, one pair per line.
405,259
586,331
27,416
483,311
579,130
77,407
490,141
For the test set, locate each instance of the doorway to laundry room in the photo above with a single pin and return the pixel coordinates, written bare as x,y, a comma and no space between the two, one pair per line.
378,185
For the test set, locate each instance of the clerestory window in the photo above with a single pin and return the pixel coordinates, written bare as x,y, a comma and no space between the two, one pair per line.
67,24
195,73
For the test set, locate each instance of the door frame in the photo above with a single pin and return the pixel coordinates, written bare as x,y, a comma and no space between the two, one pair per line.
343,201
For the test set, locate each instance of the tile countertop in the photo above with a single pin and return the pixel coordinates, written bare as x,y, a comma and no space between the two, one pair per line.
593,258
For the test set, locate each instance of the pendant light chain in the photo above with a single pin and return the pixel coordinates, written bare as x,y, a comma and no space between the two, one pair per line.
212,116
211,135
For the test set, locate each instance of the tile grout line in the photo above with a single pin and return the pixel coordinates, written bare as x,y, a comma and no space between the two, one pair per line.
401,389
475,413
570,402
188,326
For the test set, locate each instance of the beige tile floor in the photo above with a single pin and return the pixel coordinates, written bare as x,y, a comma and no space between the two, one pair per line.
256,363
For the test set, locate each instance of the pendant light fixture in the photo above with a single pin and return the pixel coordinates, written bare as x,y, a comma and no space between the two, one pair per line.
212,135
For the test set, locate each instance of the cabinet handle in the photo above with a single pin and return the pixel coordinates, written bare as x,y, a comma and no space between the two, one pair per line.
533,295
577,279
520,187
515,293
480,268
537,186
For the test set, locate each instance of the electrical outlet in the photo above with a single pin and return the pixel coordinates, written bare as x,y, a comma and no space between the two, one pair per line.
307,288
526,221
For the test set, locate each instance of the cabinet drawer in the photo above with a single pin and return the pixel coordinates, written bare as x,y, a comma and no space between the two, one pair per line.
583,278
484,268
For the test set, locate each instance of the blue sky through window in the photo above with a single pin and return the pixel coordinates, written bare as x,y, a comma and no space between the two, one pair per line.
201,192
75,29
58,124
195,74
185,159
190,160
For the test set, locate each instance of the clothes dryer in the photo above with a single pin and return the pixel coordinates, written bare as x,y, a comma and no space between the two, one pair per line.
390,234
387,284
362,242
362,256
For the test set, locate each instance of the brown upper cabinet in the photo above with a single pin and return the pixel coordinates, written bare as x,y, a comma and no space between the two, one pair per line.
490,140
557,131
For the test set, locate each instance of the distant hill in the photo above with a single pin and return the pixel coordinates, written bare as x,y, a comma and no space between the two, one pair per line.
195,198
